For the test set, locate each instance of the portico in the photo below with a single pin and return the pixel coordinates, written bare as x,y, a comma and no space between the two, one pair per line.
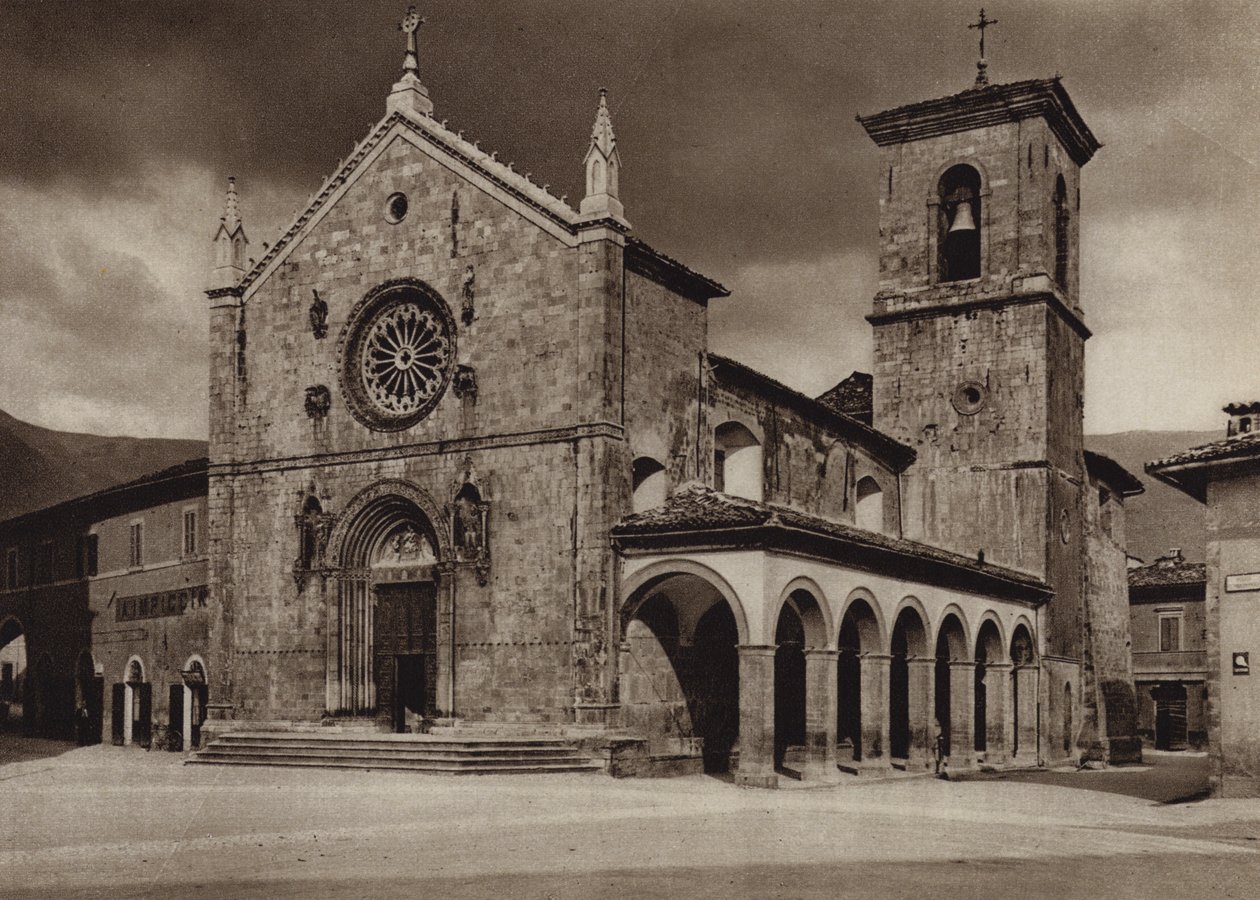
780,621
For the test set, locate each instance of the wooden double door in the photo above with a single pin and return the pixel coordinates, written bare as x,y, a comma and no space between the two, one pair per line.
404,637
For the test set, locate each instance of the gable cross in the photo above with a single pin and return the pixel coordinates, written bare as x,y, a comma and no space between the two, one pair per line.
410,25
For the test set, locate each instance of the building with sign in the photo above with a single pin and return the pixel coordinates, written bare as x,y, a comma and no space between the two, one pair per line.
107,596
473,466
1225,476
1169,628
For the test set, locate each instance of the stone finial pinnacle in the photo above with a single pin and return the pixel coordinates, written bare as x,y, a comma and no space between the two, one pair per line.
231,207
603,167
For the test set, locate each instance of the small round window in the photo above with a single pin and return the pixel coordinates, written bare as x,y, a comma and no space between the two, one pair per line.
396,207
969,398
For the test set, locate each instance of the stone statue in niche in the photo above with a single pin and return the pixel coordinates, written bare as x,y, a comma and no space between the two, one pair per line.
319,316
469,521
469,313
314,527
318,401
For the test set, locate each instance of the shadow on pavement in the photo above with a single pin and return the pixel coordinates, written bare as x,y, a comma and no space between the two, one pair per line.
16,748
1164,777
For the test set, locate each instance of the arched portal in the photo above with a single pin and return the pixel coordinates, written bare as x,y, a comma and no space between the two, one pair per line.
909,641
679,682
789,680
988,696
737,462
383,661
951,647
869,513
133,705
859,634
89,700
650,487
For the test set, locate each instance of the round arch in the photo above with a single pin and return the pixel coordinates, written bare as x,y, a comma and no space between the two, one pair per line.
990,617
914,605
863,599
636,588
11,627
1022,630
815,615
195,658
378,500
960,641
128,671
953,162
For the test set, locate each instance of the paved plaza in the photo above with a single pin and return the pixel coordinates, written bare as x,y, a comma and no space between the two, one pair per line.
121,822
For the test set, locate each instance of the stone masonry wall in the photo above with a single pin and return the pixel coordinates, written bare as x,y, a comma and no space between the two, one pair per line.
545,346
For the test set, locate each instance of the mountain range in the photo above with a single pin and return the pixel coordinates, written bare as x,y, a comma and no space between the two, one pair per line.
42,467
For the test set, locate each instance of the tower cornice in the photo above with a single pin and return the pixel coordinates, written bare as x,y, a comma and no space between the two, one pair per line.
984,106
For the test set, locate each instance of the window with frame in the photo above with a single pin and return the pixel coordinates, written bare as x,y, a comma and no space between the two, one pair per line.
190,532
135,557
1169,632
44,563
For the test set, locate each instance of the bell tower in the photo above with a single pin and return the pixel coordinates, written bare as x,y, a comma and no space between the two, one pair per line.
978,326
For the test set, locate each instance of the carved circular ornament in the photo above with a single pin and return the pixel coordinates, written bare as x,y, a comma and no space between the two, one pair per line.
969,398
397,355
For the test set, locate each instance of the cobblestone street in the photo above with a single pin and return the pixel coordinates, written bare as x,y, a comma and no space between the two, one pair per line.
107,821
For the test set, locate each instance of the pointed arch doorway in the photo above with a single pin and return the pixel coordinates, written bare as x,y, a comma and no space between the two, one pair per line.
384,635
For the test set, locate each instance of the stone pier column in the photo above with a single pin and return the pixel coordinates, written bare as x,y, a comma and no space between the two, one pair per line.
821,699
997,690
756,717
1026,751
922,712
875,670
962,723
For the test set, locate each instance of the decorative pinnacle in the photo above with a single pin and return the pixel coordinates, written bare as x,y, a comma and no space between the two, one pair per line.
602,133
410,25
982,75
231,207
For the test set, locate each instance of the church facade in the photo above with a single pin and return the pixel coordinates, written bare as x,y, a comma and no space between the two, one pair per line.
473,466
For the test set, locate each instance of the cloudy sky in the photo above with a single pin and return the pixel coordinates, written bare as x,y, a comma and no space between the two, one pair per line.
119,124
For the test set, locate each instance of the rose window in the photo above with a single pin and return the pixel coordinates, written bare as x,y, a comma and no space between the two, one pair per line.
398,353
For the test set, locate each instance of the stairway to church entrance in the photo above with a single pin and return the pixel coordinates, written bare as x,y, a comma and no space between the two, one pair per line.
438,754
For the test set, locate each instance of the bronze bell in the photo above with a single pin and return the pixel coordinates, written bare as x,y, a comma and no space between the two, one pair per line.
963,219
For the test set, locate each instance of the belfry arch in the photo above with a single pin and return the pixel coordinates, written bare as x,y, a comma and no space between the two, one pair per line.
382,628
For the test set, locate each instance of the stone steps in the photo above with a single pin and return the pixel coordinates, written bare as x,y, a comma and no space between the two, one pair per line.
408,752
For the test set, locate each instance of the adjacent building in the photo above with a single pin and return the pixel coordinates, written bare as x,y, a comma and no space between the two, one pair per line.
1167,618
1225,477
106,596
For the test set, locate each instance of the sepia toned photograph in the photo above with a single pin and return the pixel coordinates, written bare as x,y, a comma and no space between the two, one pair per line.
666,448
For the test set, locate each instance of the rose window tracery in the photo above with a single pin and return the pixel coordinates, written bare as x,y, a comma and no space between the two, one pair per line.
398,354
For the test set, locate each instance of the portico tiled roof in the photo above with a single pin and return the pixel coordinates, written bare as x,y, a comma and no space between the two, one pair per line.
698,517
1117,476
1187,471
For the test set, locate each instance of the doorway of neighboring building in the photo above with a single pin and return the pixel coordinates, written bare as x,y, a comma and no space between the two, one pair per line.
1170,717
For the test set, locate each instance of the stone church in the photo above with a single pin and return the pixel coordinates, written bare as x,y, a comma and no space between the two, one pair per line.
473,468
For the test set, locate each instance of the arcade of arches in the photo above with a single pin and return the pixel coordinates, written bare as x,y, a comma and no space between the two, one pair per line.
744,662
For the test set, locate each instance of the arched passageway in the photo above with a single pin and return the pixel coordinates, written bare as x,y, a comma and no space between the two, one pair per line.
1023,681
989,700
680,669
13,668
953,688
789,683
859,714
89,706
907,694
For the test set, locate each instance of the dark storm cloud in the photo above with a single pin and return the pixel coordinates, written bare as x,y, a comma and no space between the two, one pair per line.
735,120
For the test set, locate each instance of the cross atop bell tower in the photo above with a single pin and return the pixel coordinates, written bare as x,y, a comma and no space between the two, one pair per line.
982,76
409,95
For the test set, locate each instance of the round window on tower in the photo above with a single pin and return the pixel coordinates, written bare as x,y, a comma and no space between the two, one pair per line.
969,398
396,208
397,354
